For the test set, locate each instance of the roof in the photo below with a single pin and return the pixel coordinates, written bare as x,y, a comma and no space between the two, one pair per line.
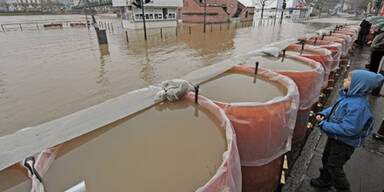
165,3
153,3
248,3
272,3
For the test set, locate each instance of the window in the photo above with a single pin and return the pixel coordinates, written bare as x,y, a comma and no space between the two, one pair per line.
151,16
139,16
146,16
165,13
171,15
156,16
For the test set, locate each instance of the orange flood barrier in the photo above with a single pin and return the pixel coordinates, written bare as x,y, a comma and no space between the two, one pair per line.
108,159
321,55
228,175
347,38
352,31
343,42
308,76
335,48
263,130
309,84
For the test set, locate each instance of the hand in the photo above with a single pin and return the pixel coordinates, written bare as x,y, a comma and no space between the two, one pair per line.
319,117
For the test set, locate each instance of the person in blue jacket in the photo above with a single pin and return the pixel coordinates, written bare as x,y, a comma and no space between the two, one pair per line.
346,124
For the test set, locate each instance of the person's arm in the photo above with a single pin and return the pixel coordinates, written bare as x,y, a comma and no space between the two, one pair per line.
325,112
378,41
352,123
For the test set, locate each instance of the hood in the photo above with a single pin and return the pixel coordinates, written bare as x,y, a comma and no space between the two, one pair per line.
363,82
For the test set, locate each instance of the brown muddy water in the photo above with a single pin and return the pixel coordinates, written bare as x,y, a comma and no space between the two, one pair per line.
237,87
50,73
278,64
179,149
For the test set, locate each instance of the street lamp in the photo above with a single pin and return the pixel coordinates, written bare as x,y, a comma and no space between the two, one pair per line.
262,9
140,4
205,14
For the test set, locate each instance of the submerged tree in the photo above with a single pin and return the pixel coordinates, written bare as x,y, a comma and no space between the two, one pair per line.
262,3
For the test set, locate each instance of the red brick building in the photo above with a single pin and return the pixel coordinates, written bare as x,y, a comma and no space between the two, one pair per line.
218,11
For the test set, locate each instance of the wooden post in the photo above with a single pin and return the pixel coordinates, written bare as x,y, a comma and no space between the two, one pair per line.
220,26
189,30
2,27
161,33
211,27
21,27
126,36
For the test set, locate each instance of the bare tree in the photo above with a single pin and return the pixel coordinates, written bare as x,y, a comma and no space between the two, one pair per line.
323,4
360,4
262,3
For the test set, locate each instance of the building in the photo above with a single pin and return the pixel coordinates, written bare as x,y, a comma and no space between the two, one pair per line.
24,5
32,5
157,14
74,3
217,11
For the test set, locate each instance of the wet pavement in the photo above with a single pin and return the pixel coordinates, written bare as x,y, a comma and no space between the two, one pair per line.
365,169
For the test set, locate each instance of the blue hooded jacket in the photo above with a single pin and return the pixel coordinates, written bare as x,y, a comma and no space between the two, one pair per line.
352,119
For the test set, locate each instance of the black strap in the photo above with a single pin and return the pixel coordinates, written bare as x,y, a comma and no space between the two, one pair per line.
32,169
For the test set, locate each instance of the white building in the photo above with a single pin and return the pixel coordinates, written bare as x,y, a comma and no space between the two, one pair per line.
161,13
74,3
22,5
278,3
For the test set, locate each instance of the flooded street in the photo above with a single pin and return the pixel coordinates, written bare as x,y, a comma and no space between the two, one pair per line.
49,73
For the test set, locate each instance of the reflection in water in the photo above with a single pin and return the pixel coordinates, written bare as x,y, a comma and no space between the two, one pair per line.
102,78
104,52
209,44
147,71
2,85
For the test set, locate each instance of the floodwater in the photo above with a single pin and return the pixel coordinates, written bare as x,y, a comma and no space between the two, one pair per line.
280,64
179,149
237,87
49,73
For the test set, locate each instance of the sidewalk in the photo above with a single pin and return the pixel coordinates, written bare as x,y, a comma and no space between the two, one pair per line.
365,169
